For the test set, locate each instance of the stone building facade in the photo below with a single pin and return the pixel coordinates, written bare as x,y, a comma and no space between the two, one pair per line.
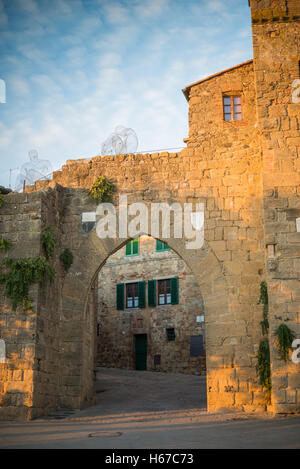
242,163
171,327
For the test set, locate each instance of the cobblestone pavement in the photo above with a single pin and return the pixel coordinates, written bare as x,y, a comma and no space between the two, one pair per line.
140,409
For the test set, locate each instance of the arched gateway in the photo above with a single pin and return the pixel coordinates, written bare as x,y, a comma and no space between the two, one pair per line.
242,164
55,341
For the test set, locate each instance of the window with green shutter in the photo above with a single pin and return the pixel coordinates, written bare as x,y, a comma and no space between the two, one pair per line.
132,295
120,296
164,292
151,292
160,246
167,291
132,247
135,295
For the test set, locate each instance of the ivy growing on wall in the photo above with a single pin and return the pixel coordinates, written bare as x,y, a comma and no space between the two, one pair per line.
5,244
102,190
285,338
66,259
263,366
19,275
263,299
48,241
2,200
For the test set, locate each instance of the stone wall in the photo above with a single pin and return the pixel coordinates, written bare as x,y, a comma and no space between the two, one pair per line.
276,42
19,216
29,376
117,328
47,355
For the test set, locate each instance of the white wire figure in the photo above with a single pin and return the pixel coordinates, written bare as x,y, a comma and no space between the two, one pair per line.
122,140
34,170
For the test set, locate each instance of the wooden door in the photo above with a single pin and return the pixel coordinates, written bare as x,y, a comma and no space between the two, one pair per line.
141,352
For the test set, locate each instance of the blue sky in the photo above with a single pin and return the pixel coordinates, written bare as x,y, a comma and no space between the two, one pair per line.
75,69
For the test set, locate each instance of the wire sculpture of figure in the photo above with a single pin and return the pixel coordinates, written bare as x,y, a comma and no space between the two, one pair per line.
122,141
35,170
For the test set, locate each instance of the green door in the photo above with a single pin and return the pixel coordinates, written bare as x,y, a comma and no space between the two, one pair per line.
141,352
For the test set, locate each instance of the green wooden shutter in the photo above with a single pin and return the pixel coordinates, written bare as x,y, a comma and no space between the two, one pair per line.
120,295
128,249
135,246
151,292
160,246
174,291
132,247
142,295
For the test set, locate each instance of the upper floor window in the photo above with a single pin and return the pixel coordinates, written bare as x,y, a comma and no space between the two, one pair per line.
132,295
160,246
232,107
164,292
132,247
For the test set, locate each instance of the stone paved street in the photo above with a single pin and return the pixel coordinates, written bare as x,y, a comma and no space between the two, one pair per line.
140,409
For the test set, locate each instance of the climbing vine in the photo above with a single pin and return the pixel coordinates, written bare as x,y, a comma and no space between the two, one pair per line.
48,241
5,244
285,338
263,366
263,299
19,275
66,259
2,199
102,190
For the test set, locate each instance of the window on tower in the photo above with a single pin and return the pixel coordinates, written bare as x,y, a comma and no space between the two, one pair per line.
232,107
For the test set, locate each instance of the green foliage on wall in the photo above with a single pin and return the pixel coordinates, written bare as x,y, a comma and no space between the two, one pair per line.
5,244
263,366
48,241
66,259
2,200
263,299
102,189
285,338
20,274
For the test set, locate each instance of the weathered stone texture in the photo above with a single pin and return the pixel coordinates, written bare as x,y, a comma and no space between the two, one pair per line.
29,374
276,46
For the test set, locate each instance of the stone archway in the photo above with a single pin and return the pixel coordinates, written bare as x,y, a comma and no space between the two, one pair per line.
60,354
77,315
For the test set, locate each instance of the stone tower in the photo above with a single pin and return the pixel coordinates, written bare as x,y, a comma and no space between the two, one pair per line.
276,45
